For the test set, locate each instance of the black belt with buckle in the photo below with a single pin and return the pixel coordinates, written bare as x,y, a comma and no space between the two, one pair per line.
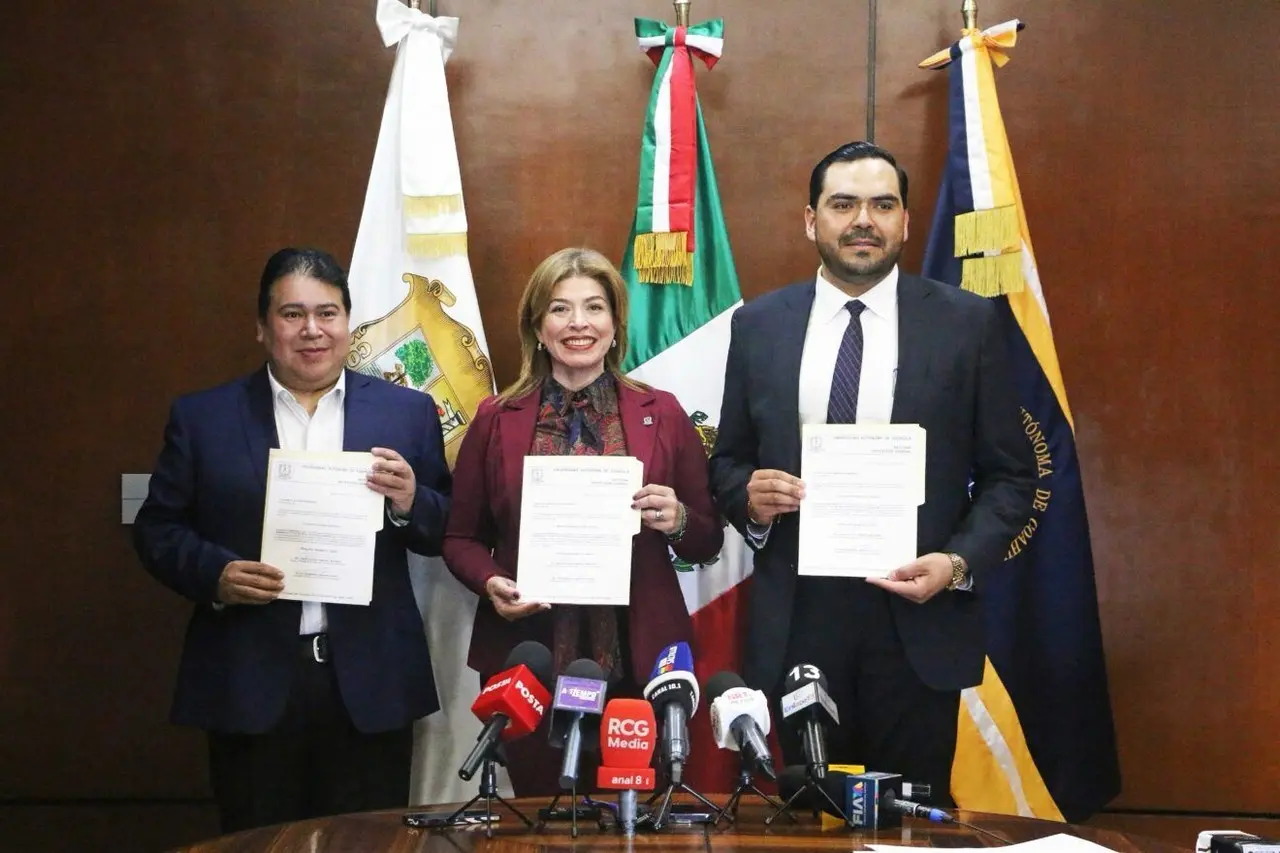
316,647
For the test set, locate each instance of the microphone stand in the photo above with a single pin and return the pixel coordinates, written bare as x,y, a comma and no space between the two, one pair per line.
745,786
489,793
812,785
659,818
573,811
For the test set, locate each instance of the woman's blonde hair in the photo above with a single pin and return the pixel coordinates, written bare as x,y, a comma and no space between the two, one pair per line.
535,364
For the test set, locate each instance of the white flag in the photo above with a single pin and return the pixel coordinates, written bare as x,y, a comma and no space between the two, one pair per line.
417,323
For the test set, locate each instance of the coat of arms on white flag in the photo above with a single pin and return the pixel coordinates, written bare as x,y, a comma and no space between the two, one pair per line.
417,323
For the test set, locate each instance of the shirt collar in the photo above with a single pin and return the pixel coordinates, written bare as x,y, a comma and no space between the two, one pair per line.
339,389
881,300
596,394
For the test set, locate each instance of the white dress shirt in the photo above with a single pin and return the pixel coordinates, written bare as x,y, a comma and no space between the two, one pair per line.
298,430
828,321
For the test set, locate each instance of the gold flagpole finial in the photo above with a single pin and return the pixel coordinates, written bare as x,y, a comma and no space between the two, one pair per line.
682,12
969,9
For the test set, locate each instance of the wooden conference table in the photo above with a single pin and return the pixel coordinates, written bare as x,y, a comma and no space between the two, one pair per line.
385,832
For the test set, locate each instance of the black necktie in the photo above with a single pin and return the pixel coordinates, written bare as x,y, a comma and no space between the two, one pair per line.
842,406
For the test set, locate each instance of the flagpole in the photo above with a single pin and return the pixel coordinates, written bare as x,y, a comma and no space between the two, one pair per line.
969,11
873,18
682,12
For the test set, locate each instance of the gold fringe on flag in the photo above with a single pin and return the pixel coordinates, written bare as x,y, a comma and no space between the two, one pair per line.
432,205
993,276
436,245
663,258
994,230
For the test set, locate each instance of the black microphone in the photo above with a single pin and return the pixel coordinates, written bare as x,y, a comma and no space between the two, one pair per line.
740,719
512,703
807,703
911,809
855,793
673,692
575,715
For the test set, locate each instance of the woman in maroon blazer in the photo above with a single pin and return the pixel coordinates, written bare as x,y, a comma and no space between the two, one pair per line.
571,398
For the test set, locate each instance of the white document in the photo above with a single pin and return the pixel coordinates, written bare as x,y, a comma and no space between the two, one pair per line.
1059,843
576,529
863,486
321,525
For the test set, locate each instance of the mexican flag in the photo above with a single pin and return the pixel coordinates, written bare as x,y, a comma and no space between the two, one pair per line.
417,323
684,289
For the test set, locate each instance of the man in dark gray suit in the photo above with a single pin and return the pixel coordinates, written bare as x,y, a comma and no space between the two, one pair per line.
863,343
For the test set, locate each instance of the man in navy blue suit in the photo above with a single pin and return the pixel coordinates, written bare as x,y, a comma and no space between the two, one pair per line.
309,708
860,342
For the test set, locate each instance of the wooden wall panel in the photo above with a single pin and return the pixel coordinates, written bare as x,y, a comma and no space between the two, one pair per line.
155,154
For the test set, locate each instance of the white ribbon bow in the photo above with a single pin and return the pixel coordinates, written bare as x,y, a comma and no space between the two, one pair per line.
430,180
396,20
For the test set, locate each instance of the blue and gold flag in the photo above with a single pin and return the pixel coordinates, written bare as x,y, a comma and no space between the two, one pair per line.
1036,738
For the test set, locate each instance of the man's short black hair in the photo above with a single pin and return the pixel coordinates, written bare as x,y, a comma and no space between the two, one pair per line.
314,263
848,153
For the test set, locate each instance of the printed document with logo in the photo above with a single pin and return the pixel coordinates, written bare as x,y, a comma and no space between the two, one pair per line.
321,525
863,484
576,527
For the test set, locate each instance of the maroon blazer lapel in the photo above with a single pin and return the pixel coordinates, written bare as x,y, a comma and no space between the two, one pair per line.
639,424
516,423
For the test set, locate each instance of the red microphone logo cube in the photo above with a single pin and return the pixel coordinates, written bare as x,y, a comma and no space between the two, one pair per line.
519,695
628,732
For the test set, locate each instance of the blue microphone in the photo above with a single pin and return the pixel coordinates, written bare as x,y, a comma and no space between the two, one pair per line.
673,692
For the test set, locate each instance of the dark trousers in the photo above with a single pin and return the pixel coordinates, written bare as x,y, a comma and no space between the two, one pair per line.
314,763
889,720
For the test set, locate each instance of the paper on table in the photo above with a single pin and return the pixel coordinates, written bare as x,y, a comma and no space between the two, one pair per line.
1059,843
576,529
320,525
863,485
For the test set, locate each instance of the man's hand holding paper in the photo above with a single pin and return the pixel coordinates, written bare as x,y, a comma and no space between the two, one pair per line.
323,513
863,485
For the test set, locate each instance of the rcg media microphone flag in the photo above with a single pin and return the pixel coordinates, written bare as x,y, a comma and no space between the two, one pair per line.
417,323
684,288
1036,738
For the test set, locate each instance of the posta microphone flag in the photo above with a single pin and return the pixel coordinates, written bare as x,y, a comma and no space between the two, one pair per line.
512,703
627,735
519,691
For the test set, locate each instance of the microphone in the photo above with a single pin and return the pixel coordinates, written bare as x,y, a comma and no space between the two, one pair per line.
579,696
511,705
625,749
844,783
673,692
740,720
911,809
808,703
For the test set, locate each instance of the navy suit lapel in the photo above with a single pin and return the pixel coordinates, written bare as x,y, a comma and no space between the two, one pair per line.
787,350
259,418
358,421
913,349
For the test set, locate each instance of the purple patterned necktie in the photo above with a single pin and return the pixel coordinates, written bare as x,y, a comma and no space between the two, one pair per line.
842,406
